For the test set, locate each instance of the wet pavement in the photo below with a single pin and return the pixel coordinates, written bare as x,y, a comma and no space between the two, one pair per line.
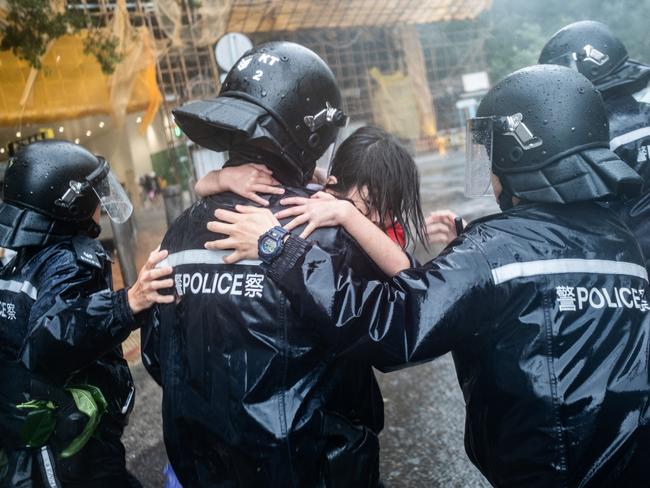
422,442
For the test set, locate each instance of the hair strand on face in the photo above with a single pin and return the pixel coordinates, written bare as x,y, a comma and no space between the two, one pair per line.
371,158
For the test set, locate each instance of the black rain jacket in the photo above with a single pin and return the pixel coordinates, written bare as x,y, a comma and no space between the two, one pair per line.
545,308
252,394
60,324
628,110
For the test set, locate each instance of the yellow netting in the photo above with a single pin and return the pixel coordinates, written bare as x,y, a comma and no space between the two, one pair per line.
208,21
291,15
71,83
394,104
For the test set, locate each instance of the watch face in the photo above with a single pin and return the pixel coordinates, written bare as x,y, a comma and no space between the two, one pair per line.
268,246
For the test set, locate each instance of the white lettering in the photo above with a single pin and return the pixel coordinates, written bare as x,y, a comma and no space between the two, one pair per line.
625,302
583,294
224,276
268,59
601,300
236,285
214,282
196,278
610,304
186,282
205,288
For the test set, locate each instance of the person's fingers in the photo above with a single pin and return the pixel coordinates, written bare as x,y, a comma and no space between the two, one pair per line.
311,227
440,238
322,195
219,227
248,209
294,201
256,198
154,258
220,244
233,258
160,284
158,298
297,222
291,212
262,168
263,179
158,273
441,215
264,188
227,215
439,228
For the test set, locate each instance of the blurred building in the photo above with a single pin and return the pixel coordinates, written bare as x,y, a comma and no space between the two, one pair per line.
400,64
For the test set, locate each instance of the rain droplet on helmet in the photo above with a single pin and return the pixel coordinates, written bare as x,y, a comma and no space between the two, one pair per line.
573,129
263,93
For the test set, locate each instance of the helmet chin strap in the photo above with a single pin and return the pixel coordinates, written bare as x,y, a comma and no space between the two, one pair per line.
90,228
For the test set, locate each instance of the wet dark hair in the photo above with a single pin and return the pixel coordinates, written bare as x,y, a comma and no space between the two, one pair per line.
373,158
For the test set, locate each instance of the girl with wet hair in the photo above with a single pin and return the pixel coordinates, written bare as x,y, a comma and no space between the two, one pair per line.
373,191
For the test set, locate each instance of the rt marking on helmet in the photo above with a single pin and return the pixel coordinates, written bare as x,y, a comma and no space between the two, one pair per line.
571,299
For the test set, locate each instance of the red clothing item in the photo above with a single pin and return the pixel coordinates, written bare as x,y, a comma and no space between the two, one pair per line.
396,233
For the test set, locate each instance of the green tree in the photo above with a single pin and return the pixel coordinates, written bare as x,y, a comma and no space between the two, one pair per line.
520,28
32,24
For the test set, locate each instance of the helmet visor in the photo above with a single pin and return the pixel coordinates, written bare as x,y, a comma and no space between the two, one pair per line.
113,198
478,157
567,59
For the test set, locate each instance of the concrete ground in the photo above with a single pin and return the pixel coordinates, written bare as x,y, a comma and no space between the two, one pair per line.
422,443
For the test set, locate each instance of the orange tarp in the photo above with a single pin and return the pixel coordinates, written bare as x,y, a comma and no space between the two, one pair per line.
71,85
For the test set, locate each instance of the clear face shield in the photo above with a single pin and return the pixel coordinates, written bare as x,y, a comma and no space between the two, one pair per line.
111,194
478,157
105,185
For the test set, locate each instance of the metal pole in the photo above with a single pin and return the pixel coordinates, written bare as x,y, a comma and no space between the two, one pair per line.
173,198
124,236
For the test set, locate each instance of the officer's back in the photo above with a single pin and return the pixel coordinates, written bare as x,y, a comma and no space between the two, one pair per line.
592,49
556,381
252,394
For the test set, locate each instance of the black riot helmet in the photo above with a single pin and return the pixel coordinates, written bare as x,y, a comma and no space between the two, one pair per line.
592,49
543,131
54,187
280,103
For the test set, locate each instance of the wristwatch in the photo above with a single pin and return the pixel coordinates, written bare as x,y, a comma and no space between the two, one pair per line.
271,243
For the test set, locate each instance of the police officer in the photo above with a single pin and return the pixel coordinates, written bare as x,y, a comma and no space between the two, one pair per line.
66,391
544,306
254,396
592,49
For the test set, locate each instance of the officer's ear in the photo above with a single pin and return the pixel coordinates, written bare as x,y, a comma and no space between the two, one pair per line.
331,180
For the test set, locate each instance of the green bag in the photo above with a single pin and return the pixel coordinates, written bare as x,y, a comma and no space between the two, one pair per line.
91,402
40,421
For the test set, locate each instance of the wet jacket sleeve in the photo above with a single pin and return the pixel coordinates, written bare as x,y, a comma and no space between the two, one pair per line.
73,323
419,315
150,343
